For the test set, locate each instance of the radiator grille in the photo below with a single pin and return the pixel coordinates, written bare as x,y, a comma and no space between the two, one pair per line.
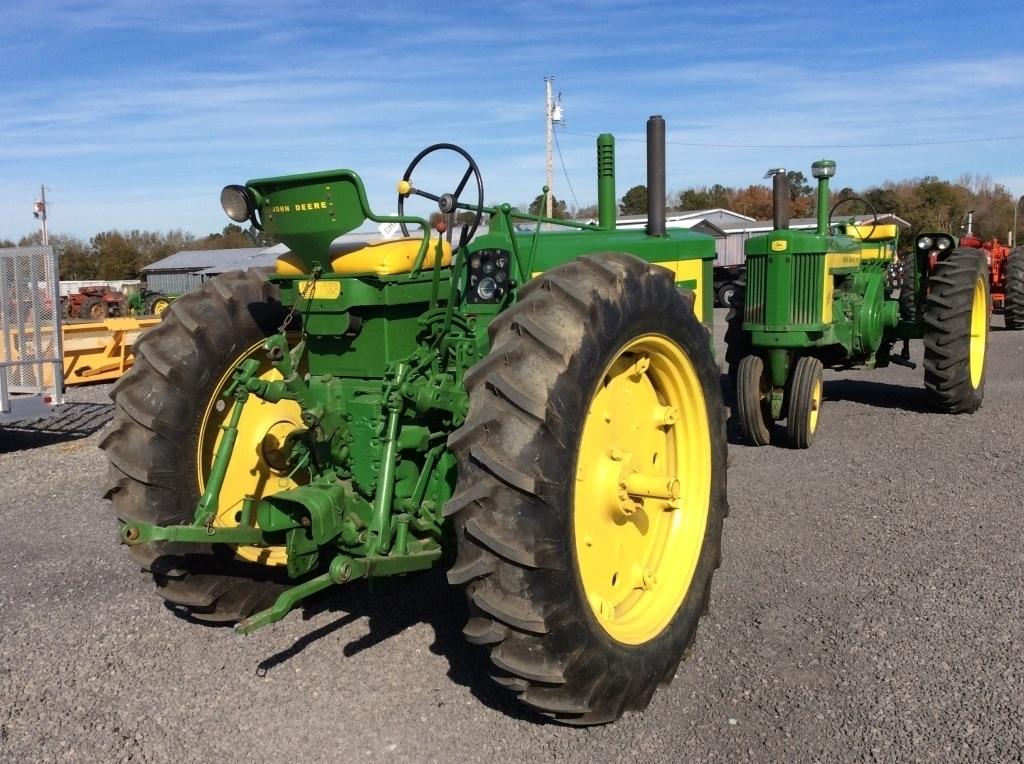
805,297
753,308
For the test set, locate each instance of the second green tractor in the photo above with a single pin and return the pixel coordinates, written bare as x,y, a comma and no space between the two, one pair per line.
817,300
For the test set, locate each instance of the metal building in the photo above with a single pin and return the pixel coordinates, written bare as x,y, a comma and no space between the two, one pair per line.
187,270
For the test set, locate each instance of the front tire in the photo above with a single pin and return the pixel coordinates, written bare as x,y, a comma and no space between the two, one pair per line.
599,369
956,332
1013,302
753,400
163,414
805,399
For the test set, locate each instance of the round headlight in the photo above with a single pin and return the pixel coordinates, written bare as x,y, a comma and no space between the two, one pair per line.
486,289
943,243
236,203
925,242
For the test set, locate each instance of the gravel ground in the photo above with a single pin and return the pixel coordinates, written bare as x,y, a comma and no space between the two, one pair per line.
868,607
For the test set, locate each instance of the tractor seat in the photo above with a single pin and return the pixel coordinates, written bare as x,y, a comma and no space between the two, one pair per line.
379,258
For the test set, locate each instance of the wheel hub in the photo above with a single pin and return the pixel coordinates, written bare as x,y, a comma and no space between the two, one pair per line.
642,489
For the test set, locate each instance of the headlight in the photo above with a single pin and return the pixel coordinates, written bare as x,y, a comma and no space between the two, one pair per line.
943,243
925,242
237,203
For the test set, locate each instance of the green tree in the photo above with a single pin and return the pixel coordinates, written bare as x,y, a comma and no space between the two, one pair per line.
634,201
117,257
798,185
557,207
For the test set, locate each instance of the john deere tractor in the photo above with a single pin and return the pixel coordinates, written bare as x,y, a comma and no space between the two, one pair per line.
538,409
816,300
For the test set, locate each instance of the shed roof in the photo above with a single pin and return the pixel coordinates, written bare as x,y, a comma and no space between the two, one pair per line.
200,259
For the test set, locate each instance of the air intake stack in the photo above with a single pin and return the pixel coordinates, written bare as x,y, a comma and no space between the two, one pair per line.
656,176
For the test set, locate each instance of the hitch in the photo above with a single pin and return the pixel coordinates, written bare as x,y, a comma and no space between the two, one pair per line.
903,359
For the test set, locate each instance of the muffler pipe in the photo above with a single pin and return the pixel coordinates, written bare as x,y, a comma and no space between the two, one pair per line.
656,175
780,199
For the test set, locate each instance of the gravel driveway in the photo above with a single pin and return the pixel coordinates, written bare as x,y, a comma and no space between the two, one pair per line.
869,606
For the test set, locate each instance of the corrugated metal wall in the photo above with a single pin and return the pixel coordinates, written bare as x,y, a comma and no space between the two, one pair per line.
173,283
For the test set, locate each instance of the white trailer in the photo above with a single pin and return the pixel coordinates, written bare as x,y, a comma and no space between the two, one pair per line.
31,357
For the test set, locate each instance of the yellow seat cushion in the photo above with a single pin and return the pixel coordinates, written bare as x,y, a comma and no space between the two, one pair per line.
380,258
884,231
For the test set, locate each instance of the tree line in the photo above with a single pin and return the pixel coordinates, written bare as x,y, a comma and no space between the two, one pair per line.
928,204
113,255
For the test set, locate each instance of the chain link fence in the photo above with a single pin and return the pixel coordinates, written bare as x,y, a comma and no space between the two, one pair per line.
31,361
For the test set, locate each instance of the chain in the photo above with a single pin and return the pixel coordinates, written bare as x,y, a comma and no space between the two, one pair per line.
309,290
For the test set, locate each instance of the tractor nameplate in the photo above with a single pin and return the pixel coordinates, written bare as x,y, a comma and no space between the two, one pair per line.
320,290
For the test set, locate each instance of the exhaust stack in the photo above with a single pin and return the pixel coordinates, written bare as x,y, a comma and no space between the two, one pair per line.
656,176
780,197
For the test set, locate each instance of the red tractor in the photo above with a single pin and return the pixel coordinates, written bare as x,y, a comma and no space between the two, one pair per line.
1006,277
96,303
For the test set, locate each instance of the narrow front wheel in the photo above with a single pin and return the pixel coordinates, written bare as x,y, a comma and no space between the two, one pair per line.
805,397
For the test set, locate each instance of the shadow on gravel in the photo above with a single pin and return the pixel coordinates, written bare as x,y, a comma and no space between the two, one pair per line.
393,605
72,422
881,395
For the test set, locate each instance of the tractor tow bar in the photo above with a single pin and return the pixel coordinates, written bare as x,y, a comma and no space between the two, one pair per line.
342,570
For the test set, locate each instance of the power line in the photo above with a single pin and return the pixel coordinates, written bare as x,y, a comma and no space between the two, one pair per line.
818,145
564,171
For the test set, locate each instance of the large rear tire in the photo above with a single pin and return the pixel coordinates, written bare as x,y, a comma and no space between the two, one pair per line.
164,412
956,332
586,596
93,308
1013,302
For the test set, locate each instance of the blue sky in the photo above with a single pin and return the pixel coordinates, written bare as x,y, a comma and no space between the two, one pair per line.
135,114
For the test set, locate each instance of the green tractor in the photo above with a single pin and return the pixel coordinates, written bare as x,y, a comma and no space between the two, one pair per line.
816,300
537,409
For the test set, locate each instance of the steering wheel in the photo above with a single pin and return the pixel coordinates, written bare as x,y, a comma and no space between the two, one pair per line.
865,202
446,203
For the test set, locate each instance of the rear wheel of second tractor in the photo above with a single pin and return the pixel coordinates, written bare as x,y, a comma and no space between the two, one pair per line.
168,412
591,488
155,304
737,341
1013,302
754,400
956,332
804,402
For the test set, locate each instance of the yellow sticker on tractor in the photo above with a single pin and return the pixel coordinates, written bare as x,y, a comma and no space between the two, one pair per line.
321,290
779,246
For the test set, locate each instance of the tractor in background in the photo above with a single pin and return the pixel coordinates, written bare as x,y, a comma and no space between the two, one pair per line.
1005,269
542,407
1006,275
98,302
816,300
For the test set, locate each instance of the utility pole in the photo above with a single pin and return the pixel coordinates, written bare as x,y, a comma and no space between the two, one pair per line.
549,132
552,116
39,211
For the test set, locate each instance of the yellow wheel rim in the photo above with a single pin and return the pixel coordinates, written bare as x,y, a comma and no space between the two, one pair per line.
643,488
815,405
160,306
979,332
256,467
